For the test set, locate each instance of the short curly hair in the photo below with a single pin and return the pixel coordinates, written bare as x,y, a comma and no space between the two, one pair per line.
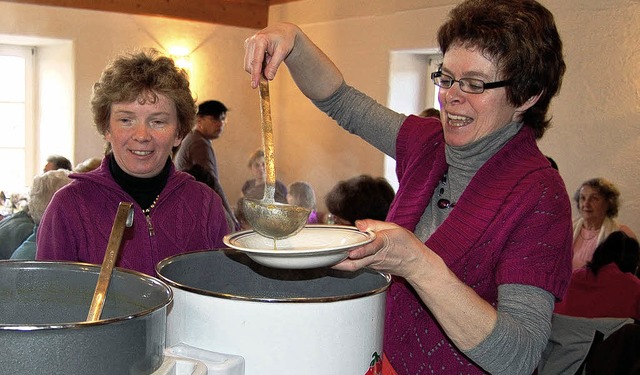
607,189
361,197
521,38
142,76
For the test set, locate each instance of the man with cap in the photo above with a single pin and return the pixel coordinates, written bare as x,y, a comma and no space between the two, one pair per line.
196,151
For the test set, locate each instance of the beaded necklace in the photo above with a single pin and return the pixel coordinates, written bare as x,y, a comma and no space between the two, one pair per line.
147,210
444,203
147,213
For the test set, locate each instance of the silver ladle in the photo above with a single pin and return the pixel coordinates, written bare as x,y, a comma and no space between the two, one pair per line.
268,217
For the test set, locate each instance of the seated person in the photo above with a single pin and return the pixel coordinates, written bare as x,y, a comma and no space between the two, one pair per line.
87,165
430,112
143,107
302,194
14,229
42,190
361,197
256,165
55,162
598,202
608,286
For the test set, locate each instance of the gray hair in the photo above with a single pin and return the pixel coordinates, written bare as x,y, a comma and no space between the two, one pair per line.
607,189
42,190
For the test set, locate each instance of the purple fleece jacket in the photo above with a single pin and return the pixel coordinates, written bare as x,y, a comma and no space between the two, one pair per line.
76,225
512,225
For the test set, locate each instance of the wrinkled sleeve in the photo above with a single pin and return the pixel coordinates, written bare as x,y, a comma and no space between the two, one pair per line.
360,114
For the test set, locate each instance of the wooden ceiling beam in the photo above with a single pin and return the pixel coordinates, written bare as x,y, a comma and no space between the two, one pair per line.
241,13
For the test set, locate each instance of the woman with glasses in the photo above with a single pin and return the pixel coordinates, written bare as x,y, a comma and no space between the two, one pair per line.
478,237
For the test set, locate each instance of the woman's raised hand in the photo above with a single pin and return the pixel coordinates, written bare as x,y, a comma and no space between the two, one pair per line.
267,49
314,73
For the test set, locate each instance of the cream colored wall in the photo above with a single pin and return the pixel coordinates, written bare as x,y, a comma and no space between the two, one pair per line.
596,116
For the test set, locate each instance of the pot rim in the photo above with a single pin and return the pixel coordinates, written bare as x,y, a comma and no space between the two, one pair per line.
87,266
174,284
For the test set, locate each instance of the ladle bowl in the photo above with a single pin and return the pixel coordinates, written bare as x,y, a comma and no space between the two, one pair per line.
268,217
275,220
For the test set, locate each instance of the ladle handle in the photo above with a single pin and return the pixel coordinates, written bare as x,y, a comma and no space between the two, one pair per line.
110,256
267,142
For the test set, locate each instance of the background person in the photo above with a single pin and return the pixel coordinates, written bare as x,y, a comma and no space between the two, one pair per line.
14,230
598,202
42,190
608,286
430,112
361,197
301,194
57,162
143,107
197,149
257,168
87,165
479,234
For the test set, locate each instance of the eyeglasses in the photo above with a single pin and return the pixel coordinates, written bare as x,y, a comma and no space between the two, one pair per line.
469,85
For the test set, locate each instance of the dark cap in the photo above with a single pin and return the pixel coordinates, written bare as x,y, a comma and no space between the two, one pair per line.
211,108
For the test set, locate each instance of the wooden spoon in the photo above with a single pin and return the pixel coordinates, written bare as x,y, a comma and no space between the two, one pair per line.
124,217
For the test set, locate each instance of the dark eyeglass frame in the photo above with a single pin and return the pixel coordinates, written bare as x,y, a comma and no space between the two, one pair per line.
466,83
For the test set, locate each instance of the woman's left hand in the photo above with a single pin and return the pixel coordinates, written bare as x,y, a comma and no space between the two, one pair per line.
394,250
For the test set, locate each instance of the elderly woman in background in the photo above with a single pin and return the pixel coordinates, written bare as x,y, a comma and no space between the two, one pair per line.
42,190
142,106
479,234
598,203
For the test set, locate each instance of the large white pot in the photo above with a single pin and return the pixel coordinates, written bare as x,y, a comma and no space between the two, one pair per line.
319,321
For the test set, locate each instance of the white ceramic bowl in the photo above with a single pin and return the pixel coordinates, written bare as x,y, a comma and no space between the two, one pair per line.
314,246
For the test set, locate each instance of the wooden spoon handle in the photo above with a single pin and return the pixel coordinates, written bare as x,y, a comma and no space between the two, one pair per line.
267,142
110,256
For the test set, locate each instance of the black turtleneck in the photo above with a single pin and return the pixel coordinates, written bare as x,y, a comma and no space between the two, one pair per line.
143,190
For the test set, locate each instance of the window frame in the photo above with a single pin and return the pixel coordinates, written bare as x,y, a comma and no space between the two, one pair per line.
31,146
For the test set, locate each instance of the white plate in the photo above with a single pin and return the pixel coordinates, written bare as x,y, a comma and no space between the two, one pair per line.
314,246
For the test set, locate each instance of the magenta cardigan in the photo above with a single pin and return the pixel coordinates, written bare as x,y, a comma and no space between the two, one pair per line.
76,225
512,225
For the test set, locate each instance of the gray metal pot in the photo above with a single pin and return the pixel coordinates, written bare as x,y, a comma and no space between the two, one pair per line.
43,306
